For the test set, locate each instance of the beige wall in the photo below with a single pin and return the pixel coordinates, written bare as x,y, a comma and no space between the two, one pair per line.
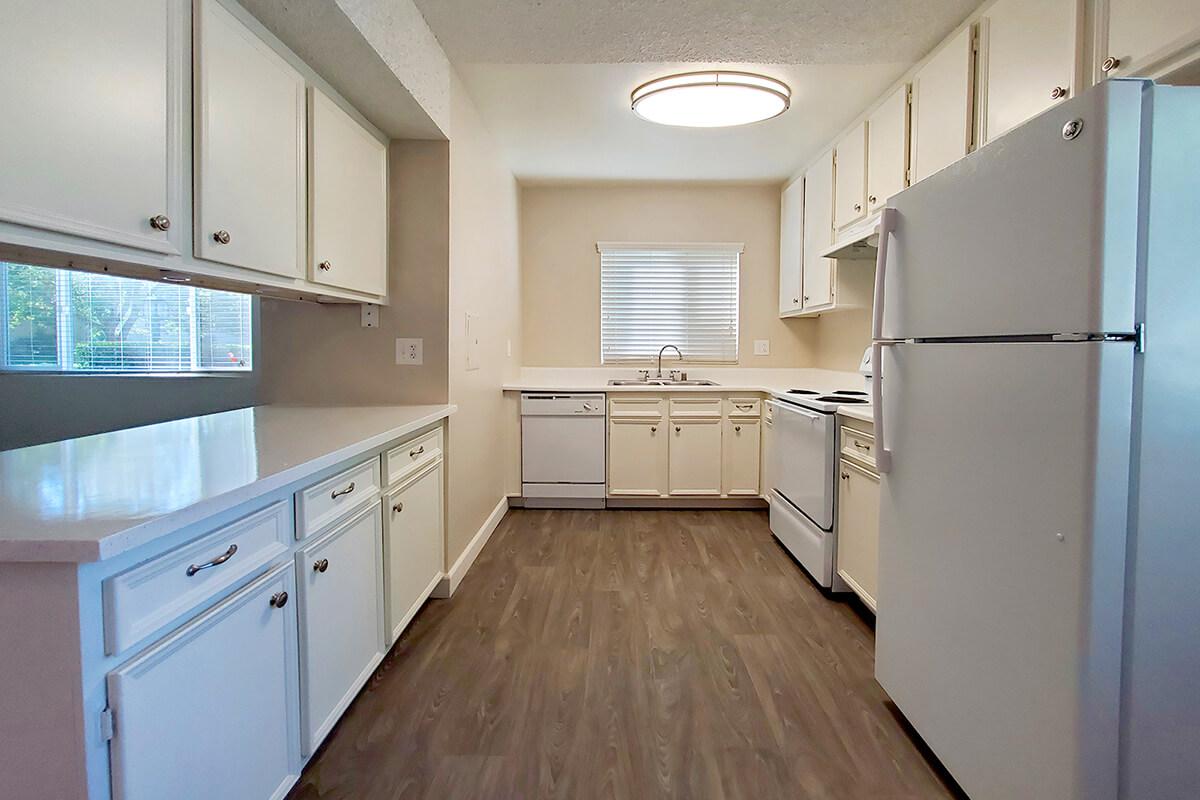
560,269
322,354
485,282
841,339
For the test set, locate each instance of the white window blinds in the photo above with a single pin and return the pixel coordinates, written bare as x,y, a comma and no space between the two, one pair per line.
657,294
62,321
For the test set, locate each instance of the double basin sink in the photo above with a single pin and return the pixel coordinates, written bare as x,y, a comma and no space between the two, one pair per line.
661,382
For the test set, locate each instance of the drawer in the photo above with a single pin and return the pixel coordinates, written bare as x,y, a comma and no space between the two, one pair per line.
636,407
142,600
695,407
743,407
332,499
405,459
858,445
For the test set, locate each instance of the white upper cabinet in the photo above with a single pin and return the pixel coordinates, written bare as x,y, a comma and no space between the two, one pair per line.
818,233
249,140
941,107
1144,34
92,94
1027,61
347,184
850,195
887,149
791,246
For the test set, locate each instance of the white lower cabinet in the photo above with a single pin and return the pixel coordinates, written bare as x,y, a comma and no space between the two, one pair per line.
741,451
412,545
212,710
858,530
341,621
695,457
637,457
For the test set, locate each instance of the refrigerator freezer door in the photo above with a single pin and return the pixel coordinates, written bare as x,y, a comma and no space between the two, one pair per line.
1033,234
1001,558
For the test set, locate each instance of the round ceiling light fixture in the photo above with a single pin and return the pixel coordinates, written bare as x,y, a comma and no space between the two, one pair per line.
712,99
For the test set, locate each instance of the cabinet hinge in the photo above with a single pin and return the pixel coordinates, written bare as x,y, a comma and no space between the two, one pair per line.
108,725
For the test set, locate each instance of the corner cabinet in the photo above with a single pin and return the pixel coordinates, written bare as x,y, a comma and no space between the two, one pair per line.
942,96
249,178
212,710
347,184
791,247
92,141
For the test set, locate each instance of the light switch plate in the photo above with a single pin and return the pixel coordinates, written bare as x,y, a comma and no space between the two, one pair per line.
409,352
762,347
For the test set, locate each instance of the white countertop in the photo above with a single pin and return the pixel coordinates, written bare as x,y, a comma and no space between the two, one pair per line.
95,497
863,413
730,379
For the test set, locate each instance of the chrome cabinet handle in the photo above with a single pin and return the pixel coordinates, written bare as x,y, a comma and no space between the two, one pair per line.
741,407
397,508
1109,64
1058,92
216,562
221,237
160,222
321,566
417,452
336,494
325,265
279,600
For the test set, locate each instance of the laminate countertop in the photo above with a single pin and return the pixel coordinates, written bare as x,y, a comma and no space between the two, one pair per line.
775,382
96,497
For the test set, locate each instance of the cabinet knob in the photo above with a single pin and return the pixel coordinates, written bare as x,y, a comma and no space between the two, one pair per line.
678,429
1109,64
279,600
872,199
737,428
397,508
160,222
1058,92
858,206
654,429
221,237
321,566
806,298
325,265
795,301
845,476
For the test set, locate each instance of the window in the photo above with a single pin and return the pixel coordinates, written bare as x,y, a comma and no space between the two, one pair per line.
682,294
57,320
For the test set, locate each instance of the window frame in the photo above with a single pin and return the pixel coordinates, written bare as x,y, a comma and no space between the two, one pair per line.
737,249
65,319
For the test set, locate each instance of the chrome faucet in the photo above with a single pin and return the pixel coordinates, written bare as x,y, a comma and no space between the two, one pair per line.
665,347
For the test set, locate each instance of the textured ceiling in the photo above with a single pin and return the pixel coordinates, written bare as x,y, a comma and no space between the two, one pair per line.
758,31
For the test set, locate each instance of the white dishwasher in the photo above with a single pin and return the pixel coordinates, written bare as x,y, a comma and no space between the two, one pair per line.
562,450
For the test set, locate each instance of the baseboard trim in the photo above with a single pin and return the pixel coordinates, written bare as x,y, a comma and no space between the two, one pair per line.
449,583
714,503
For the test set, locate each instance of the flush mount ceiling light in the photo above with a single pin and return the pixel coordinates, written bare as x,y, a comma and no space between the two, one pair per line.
713,99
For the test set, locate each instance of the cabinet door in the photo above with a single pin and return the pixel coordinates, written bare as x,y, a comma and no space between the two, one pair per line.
90,141
212,710
412,547
1145,33
1027,57
742,454
791,246
818,233
768,452
858,531
695,458
850,194
249,139
941,108
341,620
347,196
887,149
637,457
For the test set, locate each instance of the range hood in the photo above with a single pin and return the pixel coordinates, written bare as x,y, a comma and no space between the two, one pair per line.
859,242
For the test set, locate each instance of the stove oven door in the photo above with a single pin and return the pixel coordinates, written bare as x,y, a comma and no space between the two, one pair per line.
803,452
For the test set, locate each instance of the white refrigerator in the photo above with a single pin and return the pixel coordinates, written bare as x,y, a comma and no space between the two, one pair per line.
1036,309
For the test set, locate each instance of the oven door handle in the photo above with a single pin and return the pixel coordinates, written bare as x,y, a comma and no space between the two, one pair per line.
781,406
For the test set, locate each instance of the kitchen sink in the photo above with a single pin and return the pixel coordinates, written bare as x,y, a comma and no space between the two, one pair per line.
661,382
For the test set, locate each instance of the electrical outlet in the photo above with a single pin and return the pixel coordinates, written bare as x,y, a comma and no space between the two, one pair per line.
409,352
762,347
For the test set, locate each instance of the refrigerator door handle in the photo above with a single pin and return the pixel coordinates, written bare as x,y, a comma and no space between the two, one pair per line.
883,456
887,229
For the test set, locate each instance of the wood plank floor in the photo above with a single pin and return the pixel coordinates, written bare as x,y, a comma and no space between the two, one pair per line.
627,654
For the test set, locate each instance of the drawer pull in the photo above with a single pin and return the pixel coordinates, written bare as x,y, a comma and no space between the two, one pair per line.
416,452
741,407
279,600
335,495
216,562
397,508
321,566
862,446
